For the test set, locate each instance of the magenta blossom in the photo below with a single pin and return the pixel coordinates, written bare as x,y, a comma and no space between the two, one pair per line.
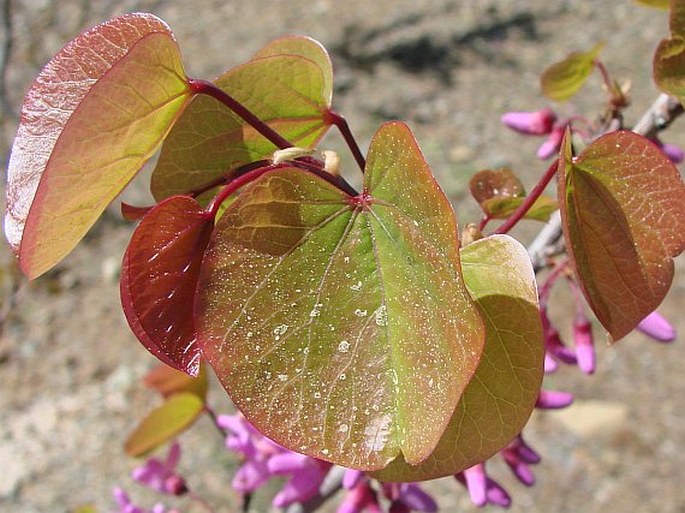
264,459
407,497
360,499
482,489
656,326
539,122
161,475
553,400
126,506
550,147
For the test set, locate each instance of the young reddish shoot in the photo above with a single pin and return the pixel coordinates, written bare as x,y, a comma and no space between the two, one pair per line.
341,123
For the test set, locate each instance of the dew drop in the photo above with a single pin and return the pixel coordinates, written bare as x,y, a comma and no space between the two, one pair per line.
344,346
344,428
283,377
360,313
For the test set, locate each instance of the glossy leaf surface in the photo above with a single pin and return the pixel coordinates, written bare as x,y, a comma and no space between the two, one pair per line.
339,325
287,85
623,218
168,381
164,423
669,59
499,192
495,183
158,279
500,398
95,114
564,79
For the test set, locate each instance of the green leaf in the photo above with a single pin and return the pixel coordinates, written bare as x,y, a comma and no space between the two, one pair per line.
564,79
164,423
623,218
659,4
669,58
287,85
340,325
169,381
499,400
501,208
95,114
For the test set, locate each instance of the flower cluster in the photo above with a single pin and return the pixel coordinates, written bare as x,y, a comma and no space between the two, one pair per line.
264,459
546,123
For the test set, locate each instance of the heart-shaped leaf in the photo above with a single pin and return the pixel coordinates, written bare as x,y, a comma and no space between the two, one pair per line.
287,85
164,423
564,79
158,279
623,218
501,396
495,183
340,325
94,115
669,59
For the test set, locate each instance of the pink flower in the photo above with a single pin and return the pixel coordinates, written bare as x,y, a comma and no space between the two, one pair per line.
519,456
406,497
360,499
585,347
482,489
553,400
657,327
160,475
673,152
265,459
552,144
126,506
307,475
530,123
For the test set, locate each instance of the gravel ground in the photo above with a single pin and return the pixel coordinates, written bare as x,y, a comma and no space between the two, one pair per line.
70,369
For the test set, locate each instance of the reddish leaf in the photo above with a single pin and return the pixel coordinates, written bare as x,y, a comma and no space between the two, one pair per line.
158,279
498,183
168,381
164,423
624,220
341,326
94,115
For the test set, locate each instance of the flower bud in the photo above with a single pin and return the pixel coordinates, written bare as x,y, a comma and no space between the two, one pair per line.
530,123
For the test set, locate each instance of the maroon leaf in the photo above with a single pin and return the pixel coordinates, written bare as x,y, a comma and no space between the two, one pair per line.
159,276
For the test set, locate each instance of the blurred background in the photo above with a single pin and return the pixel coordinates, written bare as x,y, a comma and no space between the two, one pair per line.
70,369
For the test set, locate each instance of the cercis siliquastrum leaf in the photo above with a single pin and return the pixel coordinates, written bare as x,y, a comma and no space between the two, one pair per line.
287,85
502,394
98,110
669,58
340,325
623,218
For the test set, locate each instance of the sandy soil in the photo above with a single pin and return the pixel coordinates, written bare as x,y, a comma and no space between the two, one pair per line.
70,368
